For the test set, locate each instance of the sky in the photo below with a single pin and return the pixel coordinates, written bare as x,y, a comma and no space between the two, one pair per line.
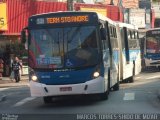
89,1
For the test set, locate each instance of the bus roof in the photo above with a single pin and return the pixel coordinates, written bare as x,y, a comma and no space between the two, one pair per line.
127,25
100,16
151,29
104,18
36,15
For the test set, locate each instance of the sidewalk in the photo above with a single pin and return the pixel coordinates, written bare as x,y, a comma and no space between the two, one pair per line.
7,82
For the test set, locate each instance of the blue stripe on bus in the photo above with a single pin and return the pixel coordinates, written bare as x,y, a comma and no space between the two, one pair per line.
153,56
116,56
67,77
133,54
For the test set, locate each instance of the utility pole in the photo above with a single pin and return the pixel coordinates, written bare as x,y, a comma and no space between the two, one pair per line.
111,2
70,5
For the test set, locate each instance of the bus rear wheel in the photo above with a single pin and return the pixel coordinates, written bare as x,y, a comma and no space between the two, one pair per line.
116,86
47,99
131,79
104,96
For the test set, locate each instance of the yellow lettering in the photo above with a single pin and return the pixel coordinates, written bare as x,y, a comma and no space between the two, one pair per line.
68,19
62,19
53,20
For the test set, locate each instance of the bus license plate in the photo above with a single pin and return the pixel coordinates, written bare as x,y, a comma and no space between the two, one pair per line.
65,89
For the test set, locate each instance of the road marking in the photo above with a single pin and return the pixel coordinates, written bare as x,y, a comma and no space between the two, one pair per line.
152,77
138,77
3,89
129,96
23,101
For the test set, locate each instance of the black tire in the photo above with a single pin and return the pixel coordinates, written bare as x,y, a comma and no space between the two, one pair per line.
131,79
47,99
116,86
109,80
104,96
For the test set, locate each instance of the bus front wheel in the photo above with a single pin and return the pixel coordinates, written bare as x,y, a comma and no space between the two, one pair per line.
116,86
47,99
104,96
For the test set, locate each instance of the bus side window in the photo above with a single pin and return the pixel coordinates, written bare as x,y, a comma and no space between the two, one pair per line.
126,38
134,34
103,34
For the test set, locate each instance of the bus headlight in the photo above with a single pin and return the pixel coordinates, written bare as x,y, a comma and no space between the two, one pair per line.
34,78
96,74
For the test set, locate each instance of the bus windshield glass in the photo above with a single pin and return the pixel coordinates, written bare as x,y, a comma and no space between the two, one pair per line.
63,47
153,41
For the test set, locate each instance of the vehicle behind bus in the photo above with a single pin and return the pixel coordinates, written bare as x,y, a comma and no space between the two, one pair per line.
130,58
152,48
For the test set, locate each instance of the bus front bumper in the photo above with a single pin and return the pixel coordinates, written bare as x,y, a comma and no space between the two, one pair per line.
90,87
149,62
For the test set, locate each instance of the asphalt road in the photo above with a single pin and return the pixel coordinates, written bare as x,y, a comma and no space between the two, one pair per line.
140,97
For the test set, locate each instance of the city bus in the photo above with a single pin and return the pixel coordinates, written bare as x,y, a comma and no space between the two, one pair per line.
72,53
130,53
152,48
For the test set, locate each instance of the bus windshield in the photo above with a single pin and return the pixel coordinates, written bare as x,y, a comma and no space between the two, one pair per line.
63,47
153,42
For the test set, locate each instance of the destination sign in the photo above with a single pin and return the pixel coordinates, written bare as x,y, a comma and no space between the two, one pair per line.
57,19
68,19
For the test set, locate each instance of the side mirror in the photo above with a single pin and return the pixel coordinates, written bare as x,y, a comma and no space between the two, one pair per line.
103,34
23,36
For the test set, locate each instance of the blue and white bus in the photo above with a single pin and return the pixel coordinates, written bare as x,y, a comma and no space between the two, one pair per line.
72,53
130,53
152,48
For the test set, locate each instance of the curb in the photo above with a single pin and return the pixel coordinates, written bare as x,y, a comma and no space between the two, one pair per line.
14,84
9,86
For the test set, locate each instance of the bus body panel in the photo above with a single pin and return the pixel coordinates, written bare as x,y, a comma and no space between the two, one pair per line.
138,66
135,55
130,59
67,77
91,87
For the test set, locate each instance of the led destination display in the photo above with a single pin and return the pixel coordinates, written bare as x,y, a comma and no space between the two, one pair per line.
69,19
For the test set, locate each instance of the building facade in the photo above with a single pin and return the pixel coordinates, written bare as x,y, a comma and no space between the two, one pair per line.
13,18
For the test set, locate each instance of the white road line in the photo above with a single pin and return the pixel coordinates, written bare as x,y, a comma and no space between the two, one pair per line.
129,96
3,89
152,77
23,101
